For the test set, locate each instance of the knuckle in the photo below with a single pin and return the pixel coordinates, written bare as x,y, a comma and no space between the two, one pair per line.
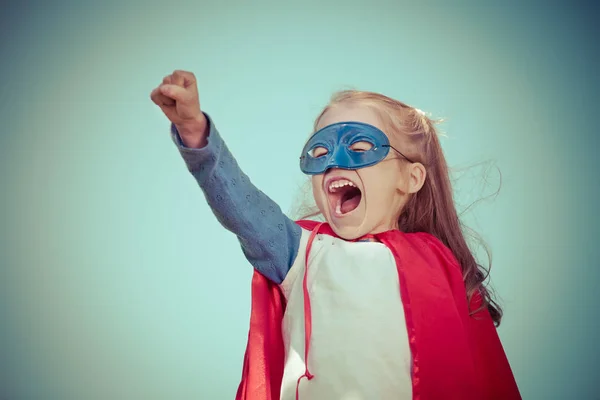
184,74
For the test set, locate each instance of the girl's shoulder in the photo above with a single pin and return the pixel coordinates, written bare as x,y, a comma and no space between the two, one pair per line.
432,247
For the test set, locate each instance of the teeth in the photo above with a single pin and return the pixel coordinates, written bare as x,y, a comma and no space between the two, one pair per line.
333,186
338,208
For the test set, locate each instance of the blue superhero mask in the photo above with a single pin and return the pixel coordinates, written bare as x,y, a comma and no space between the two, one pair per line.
345,145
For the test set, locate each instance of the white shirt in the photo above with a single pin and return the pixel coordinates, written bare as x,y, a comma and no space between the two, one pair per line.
359,346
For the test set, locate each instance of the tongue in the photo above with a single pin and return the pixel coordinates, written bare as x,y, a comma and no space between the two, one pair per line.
350,204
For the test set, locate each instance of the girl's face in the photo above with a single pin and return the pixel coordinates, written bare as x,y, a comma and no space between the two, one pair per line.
366,200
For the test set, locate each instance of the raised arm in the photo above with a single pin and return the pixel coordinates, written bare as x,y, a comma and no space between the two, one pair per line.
269,239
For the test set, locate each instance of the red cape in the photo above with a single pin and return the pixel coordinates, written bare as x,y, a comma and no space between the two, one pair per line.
455,356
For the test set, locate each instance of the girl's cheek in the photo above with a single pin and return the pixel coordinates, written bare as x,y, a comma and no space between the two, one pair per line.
317,193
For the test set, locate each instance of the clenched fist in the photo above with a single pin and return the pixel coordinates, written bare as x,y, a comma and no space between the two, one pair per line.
178,98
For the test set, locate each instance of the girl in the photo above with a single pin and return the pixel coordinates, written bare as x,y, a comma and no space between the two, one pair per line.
384,300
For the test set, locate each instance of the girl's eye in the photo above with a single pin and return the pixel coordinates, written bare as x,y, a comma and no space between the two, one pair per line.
361,146
318,152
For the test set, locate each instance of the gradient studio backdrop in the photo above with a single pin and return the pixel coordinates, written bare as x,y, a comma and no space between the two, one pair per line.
116,281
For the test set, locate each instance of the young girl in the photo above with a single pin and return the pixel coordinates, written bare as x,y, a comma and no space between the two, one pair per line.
382,301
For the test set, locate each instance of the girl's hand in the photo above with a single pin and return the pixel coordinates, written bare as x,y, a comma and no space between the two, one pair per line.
178,98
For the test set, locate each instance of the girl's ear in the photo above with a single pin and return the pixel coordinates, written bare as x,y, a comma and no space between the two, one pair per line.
417,175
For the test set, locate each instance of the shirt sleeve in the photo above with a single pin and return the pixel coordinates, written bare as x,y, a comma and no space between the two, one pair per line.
269,239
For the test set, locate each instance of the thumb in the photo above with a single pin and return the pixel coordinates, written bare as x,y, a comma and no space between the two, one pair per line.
176,93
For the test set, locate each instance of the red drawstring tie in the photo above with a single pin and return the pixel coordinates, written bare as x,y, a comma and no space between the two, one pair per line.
307,311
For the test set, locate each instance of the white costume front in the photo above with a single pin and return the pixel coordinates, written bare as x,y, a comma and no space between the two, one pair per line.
359,346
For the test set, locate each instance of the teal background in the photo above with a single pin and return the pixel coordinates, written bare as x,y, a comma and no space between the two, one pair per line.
116,281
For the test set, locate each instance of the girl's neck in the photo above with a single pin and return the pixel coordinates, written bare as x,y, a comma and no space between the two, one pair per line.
366,238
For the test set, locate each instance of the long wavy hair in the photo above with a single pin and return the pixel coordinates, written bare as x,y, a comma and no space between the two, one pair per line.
432,209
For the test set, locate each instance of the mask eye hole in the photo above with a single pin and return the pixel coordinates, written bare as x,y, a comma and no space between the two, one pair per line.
361,146
318,151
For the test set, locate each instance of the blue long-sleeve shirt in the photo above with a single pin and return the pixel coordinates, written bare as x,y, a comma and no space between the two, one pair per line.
269,239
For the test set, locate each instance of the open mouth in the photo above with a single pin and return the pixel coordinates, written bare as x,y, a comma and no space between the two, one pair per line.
344,196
